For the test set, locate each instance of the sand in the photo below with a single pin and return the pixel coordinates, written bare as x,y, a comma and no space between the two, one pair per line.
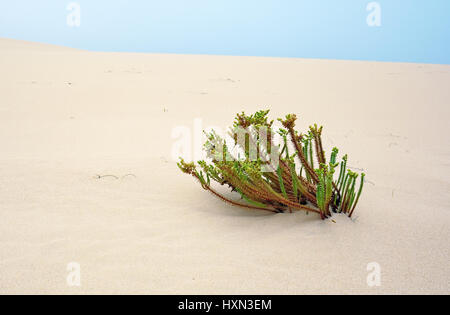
69,115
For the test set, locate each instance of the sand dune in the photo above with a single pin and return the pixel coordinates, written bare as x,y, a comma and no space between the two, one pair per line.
68,115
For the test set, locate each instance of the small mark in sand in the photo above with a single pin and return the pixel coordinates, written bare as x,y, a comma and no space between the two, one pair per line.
114,176
225,80
103,176
129,175
393,144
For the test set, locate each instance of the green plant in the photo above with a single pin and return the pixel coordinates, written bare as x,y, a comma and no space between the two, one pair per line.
268,177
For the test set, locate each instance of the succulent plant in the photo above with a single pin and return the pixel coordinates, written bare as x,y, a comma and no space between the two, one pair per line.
269,177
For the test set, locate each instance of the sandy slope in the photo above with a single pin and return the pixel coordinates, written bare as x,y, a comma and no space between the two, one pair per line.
67,115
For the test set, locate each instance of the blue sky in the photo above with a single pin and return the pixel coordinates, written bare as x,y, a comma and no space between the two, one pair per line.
410,30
